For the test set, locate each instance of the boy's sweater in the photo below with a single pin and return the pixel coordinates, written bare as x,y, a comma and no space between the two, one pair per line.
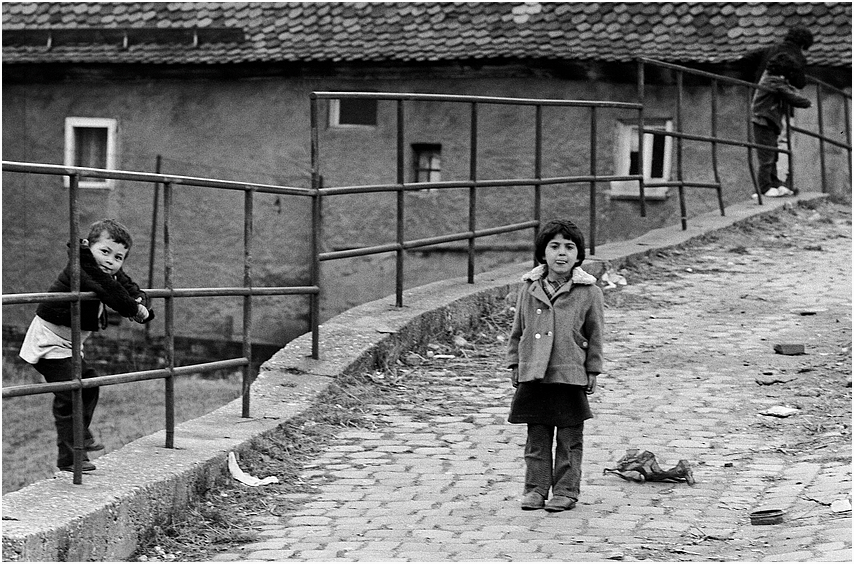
118,293
768,106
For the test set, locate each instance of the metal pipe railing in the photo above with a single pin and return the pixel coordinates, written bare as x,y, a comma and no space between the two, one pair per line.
151,177
400,245
401,235
317,192
168,266
593,139
448,184
411,96
34,298
641,132
538,168
426,242
472,192
714,140
680,176
76,341
169,293
125,378
715,168
248,230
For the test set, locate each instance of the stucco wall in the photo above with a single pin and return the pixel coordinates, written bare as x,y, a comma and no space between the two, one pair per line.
257,130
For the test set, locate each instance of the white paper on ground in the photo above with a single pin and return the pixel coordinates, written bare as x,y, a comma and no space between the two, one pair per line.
245,478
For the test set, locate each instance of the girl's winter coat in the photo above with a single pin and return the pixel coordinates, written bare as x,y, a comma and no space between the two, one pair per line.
118,293
575,317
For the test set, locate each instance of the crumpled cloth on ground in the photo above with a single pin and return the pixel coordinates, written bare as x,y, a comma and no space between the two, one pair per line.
644,467
247,479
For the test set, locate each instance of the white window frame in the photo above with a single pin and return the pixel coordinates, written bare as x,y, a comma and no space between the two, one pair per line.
335,117
111,125
626,133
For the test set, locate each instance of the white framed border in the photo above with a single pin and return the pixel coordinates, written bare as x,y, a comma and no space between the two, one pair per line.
335,117
630,189
111,125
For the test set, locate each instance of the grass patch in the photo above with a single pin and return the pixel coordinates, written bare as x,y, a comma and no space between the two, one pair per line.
125,413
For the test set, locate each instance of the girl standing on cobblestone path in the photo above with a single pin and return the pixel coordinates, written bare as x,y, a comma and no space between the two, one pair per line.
555,353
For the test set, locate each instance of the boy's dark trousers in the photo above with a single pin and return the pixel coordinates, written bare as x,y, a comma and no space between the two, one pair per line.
767,159
59,370
564,474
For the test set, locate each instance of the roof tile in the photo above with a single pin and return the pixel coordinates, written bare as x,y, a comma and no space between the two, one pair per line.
405,31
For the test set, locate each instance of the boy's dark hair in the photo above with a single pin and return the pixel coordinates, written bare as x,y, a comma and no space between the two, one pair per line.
782,64
558,227
799,35
117,231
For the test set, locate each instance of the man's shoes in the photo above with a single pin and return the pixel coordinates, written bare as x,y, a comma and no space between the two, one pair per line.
86,467
532,500
92,446
560,503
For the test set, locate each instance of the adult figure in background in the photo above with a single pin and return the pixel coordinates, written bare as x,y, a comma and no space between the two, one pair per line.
770,102
797,40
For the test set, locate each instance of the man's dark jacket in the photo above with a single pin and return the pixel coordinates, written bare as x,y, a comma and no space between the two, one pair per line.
798,77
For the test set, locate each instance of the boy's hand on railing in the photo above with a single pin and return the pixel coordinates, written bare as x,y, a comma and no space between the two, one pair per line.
141,314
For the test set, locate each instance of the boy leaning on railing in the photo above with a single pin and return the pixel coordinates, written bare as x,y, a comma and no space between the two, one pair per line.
47,345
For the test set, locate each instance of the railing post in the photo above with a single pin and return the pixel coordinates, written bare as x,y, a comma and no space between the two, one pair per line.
847,110
641,101
538,168
472,191
151,250
76,359
248,217
168,258
679,172
593,136
790,180
715,168
750,141
316,230
820,108
400,206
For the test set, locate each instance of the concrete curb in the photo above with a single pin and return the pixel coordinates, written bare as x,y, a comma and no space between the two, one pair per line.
143,484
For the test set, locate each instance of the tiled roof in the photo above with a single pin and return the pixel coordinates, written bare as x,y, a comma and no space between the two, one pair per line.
702,32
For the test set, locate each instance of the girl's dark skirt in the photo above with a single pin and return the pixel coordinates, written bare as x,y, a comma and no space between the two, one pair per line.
557,405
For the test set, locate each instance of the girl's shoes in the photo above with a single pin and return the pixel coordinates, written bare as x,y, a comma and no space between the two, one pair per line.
532,500
560,503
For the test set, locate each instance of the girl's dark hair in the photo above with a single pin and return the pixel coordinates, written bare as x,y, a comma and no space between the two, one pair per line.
117,231
558,227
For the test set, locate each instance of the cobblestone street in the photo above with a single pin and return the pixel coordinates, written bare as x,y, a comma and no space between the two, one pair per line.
690,366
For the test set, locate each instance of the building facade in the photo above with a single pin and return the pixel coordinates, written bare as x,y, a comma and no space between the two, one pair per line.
223,91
